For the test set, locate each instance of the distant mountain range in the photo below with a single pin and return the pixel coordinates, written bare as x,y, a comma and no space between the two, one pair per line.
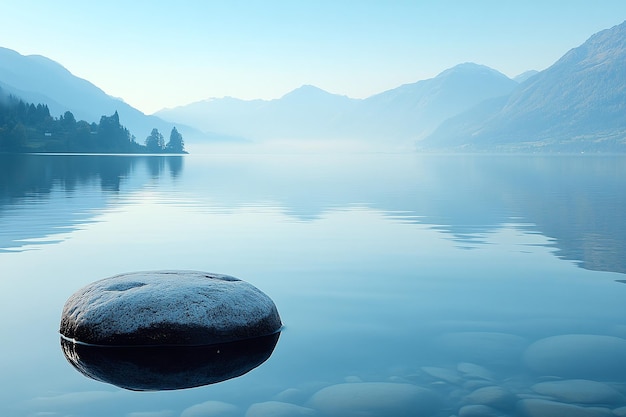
578,104
37,79
403,114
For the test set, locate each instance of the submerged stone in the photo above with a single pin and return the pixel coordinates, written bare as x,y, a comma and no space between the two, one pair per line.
545,408
578,356
279,409
579,391
178,308
375,399
494,396
478,411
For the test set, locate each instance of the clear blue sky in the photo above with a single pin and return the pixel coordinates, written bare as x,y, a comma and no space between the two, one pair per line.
165,53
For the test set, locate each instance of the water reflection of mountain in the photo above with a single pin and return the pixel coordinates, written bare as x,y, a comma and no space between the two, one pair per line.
44,195
576,201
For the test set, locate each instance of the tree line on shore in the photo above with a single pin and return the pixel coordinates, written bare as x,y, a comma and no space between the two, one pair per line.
26,127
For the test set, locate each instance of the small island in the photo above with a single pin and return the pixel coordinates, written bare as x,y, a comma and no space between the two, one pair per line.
29,128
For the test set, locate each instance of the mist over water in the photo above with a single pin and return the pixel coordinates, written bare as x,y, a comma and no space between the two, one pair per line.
425,277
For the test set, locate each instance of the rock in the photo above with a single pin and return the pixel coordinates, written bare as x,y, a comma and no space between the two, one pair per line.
212,409
578,356
168,308
493,396
375,399
474,384
579,391
291,395
443,374
544,408
478,411
278,409
473,371
620,412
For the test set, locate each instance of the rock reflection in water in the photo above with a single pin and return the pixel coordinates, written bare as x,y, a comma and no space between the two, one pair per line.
156,368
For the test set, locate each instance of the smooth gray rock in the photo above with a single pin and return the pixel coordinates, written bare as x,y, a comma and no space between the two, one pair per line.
279,409
473,371
620,411
212,409
177,308
494,396
580,391
375,399
478,411
544,408
583,356
444,374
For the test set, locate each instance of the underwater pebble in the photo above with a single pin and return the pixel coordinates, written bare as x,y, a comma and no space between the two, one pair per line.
212,409
493,396
579,391
278,409
544,408
473,371
291,395
443,374
474,384
620,412
375,399
478,411
583,356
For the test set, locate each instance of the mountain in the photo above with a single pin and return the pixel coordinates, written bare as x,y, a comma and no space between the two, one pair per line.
525,75
307,112
414,110
578,104
37,79
405,113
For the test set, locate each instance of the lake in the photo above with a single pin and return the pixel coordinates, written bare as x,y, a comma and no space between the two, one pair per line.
408,284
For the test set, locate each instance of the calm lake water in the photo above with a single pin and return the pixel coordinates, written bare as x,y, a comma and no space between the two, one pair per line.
409,285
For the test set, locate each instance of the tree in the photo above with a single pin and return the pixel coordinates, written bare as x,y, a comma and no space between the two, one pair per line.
113,136
155,142
176,143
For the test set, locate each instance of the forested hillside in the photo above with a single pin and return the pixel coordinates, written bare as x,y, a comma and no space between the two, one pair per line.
26,127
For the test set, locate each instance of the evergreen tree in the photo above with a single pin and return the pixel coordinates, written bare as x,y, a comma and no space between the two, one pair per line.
155,142
176,143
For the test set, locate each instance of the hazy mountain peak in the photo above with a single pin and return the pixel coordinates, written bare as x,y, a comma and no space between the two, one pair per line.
306,91
470,69
525,76
575,104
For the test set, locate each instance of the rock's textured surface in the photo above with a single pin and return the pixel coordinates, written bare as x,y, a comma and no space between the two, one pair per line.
178,308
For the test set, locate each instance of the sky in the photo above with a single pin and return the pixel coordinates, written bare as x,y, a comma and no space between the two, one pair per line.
167,53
